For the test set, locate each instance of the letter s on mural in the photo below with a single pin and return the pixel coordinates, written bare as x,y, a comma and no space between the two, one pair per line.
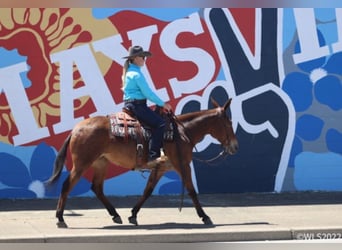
281,67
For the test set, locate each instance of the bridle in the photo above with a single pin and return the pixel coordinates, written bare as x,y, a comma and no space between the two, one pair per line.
223,154
210,161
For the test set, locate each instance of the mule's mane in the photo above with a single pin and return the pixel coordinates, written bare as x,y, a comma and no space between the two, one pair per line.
199,123
194,115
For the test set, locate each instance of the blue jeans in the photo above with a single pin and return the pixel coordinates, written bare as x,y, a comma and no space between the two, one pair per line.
157,124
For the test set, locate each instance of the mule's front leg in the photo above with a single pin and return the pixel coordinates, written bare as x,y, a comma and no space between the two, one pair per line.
205,218
153,179
192,193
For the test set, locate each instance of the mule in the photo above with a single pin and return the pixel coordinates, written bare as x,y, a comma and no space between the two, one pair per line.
91,145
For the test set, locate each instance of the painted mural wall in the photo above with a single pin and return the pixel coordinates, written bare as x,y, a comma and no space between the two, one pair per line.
281,67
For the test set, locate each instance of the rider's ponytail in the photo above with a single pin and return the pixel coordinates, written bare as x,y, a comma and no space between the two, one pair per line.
124,70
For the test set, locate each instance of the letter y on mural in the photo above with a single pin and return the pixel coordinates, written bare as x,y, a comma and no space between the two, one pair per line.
263,114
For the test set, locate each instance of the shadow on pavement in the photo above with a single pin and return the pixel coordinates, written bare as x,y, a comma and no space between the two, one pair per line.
169,225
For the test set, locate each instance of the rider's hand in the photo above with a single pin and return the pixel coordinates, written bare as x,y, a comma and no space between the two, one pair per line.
167,107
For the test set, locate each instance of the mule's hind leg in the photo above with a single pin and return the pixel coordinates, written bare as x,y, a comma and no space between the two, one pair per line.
153,179
100,169
68,184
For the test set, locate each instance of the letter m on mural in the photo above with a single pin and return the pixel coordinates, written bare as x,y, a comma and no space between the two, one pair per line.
281,67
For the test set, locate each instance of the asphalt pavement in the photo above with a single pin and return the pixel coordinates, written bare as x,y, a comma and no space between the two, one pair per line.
299,216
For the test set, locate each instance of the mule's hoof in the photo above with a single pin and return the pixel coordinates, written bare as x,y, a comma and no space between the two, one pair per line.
117,220
207,221
61,224
133,220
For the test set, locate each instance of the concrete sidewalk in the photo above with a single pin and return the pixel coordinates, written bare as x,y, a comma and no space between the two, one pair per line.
236,217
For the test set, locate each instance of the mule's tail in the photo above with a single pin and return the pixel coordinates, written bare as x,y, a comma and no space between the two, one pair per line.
59,162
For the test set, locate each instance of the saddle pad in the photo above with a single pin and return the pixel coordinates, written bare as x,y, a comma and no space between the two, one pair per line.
125,126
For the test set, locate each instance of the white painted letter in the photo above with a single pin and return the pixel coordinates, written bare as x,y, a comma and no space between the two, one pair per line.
94,85
203,60
307,35
11,84
337,47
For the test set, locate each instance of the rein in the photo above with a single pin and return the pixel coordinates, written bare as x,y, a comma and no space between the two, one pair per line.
223,154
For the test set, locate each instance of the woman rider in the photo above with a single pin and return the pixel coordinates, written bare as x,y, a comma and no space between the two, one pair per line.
136,93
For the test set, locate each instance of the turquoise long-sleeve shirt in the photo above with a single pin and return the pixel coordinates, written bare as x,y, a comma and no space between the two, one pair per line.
137,88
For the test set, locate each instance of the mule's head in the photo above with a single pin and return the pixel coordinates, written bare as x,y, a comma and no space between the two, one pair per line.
223,130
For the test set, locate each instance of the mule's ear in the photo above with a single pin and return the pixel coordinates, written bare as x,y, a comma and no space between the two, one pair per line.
227,104
216,105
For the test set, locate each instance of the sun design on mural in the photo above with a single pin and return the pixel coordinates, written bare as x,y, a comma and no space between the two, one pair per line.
36,34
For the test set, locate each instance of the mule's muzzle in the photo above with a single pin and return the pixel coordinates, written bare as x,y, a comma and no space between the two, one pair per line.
232,147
